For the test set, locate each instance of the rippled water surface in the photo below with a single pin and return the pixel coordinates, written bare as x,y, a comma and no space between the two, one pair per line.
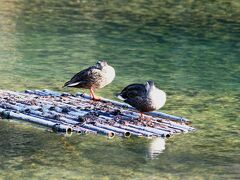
191,49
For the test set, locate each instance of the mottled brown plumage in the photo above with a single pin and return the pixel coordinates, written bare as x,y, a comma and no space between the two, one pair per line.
94,77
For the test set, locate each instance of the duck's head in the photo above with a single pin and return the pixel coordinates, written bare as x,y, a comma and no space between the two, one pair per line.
101,64
149,85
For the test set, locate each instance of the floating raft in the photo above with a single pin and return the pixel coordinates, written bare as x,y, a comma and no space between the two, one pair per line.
64,112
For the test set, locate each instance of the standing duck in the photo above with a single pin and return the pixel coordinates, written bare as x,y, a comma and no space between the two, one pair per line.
144,97
94,77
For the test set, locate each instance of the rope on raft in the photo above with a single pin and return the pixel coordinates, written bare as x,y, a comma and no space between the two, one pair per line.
64,112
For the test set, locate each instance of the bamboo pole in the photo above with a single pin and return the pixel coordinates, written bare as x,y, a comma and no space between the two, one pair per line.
131,129
64,108
177,126
118,130
107,132
152,130
61,127
103,116
155,113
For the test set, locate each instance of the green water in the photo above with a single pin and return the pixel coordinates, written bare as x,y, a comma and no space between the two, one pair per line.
190,48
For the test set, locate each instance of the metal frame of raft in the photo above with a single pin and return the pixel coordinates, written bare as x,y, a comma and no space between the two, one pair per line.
64,112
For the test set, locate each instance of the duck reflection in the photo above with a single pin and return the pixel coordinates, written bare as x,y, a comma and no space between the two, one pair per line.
156,147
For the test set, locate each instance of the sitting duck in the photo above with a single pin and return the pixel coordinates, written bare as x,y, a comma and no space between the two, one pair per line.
94,77
144,97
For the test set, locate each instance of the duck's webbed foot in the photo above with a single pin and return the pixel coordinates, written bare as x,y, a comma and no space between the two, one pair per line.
95,98
144,118
141,116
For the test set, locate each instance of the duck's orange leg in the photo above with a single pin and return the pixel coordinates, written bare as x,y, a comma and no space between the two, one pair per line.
91,94
95,98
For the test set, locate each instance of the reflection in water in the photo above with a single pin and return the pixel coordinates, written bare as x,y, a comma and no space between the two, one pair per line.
190,48
156,147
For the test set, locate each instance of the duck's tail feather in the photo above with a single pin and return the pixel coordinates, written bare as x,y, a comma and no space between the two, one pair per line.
70,84
119,96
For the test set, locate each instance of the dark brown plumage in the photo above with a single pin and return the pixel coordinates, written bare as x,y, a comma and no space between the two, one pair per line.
144,97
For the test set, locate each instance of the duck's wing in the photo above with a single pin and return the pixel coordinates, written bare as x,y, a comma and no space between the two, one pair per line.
83,76
136,102
133,91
